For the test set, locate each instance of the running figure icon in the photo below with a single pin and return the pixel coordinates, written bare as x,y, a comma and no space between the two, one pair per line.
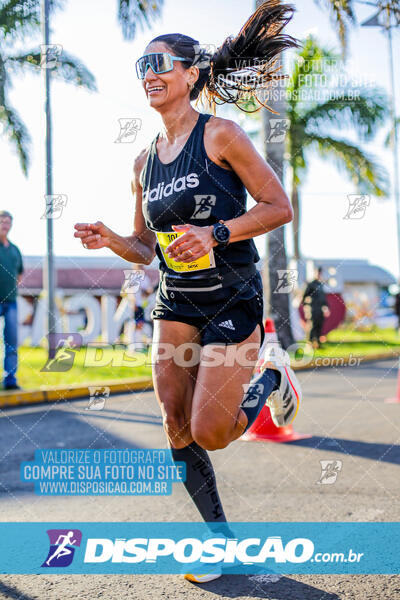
65,354
62,549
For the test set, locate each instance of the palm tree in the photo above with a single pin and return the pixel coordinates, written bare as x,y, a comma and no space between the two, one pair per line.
24,18
342,16
310,126
21,19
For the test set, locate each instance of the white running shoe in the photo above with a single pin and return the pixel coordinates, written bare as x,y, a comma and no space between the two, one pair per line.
205,578
285,401
215,569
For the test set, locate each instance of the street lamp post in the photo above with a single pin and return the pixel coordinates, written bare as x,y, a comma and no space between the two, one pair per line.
49,273
389,10
396,186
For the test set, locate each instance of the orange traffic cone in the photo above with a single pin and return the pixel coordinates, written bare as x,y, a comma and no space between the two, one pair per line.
263,428
396,399
269,328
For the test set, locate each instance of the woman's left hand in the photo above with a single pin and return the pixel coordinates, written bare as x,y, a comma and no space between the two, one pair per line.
194,243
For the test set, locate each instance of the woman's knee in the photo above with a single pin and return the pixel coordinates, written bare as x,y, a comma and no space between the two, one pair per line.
176,425
174,422
209,437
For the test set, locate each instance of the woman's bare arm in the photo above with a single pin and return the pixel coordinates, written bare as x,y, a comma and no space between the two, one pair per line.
228,145
138,247
273,208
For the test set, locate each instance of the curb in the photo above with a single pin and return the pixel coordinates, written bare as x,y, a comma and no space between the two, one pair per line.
56,393
339,361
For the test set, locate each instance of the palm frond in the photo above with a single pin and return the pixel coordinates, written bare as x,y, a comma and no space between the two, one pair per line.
19,17
132,13
363,110
312,59
68,68
15,130
16,15
363,169
389,140
19,63
342,16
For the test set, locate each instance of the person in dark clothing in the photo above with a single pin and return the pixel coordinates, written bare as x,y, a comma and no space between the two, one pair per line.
397,308
315,297
139,314
11,269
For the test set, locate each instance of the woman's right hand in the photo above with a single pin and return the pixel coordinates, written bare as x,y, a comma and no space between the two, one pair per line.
93,235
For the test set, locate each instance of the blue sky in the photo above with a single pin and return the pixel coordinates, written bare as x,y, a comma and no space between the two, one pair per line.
94,172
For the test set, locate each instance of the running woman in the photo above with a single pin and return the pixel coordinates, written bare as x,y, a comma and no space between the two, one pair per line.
190,187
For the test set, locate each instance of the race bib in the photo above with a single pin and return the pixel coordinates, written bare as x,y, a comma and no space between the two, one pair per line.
204,262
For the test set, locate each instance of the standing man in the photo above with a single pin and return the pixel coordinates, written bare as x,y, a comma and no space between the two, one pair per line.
316,298
11,269
397,308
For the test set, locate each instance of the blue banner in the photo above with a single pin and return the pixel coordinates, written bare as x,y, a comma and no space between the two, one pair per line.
100,472
157,548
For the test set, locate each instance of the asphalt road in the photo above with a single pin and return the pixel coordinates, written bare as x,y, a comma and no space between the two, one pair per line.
343,409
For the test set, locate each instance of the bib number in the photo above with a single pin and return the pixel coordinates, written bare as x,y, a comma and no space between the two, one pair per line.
164,239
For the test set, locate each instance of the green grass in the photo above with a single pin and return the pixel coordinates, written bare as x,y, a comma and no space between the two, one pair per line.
373,336
88,368
344,342
110,366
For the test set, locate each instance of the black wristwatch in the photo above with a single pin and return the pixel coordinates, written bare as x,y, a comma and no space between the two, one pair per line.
221,234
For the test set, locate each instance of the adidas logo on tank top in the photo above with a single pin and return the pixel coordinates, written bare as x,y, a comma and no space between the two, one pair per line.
228,324
193,189
176,185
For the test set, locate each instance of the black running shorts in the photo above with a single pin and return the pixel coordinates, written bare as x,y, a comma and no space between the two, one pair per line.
225,315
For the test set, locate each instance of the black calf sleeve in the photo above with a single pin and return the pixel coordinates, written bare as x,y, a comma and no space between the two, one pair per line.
202,486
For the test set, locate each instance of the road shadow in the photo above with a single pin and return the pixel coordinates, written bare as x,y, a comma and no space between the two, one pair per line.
23,433
245,586
233,586
9,591
123,415
389,453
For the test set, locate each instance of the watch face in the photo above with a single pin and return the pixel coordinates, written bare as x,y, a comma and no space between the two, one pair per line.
222,233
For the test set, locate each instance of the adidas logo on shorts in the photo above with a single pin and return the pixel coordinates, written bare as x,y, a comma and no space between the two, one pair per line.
228,324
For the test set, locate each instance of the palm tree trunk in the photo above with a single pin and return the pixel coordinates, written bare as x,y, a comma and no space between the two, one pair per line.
296,220
2,81
276,251
277,259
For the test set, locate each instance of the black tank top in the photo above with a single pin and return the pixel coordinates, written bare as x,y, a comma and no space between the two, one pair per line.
192,189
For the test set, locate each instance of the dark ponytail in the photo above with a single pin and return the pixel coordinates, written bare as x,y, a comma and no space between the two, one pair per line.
243,64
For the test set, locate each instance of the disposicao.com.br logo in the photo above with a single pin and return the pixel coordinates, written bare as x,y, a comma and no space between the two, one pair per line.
166,548
189,550
169,554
